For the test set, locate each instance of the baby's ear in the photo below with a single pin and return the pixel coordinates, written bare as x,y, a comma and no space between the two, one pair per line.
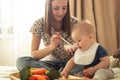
91,36
117,54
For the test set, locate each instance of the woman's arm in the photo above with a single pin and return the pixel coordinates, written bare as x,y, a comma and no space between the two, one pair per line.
38,54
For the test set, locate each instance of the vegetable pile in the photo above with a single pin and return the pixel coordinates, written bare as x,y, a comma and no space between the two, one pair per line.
29,73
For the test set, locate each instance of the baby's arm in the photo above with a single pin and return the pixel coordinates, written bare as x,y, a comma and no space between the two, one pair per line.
104,63
70,64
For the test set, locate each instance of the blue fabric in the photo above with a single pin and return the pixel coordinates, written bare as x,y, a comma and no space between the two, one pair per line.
24,61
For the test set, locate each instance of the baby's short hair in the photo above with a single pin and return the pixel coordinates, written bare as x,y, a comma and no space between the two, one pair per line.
84,27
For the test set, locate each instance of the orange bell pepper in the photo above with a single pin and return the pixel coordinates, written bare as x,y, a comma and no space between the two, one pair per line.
32,78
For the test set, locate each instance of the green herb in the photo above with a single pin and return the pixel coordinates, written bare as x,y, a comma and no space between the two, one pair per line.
25,73
53,74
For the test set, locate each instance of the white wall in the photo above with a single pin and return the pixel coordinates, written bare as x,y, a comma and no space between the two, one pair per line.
7,52
20,14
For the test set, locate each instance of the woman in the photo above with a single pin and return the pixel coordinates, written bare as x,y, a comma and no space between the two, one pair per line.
57,23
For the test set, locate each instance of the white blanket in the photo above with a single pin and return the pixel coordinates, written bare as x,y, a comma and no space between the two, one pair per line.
5,71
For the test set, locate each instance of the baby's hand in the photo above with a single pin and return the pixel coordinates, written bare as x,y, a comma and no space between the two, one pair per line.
89,72
64,74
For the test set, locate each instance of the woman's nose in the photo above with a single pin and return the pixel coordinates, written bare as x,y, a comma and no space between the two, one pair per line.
61,12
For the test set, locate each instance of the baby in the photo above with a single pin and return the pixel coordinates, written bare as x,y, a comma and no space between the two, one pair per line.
89,53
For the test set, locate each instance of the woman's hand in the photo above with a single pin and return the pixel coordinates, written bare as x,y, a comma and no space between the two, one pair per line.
70,49
55,40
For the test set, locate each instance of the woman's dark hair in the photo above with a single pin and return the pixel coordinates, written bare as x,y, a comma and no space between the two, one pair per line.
66,24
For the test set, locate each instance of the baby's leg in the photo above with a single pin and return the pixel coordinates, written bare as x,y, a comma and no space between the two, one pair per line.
103,74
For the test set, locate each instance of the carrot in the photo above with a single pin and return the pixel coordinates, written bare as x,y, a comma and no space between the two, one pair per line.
38,71
41,77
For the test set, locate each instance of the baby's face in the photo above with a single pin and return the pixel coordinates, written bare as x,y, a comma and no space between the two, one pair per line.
83,42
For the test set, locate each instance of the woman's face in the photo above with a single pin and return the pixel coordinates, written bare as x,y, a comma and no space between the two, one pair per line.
59,9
